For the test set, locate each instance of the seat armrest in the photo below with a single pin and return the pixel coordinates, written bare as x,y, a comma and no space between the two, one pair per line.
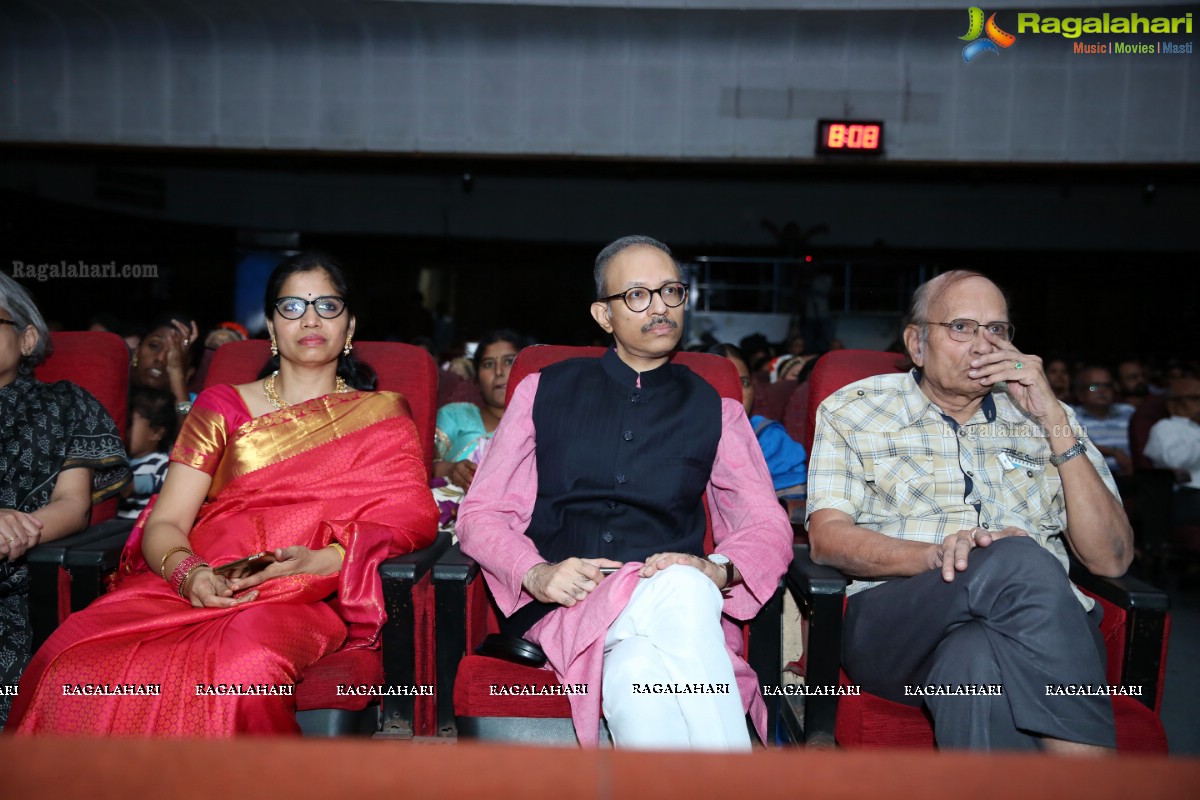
399,576
808,578
820,592
90,564
455,567
1125,592
44,562
54,552
412,566
452,577
765,654
1146,626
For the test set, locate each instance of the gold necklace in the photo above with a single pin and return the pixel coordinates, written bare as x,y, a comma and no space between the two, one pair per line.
339,386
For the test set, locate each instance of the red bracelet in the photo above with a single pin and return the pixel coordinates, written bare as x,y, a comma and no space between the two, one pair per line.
179,576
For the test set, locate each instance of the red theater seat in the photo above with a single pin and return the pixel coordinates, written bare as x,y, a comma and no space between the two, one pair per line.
99,362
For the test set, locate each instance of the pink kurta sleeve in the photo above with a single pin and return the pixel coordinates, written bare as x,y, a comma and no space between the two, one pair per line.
749,525
495,514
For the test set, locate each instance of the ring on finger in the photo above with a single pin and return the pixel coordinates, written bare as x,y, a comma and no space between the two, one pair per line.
1018,365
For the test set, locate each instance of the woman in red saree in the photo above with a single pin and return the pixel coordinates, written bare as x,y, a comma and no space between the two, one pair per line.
332,483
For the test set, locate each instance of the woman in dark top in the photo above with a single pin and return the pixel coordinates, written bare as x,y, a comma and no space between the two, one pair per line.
59,453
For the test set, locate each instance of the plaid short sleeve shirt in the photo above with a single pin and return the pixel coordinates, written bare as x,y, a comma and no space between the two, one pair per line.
886,456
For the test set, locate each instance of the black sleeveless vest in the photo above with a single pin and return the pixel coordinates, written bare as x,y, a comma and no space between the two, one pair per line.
622,469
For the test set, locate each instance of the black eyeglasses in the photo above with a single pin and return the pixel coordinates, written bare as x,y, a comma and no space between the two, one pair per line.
327,307
964,330
638,298
1095,387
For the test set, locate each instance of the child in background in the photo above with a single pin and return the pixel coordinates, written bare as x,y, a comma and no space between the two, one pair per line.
148,439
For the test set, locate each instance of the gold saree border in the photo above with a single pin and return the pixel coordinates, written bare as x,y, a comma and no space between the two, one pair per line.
280,435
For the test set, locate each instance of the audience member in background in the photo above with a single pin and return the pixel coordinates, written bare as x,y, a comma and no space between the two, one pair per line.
758,351
794,346
163,359
462,366
1175,444
790,368
1133,385
1175,368
1106,422
148,439
1058,375
307,463
59,453
785,457
464,428
223,333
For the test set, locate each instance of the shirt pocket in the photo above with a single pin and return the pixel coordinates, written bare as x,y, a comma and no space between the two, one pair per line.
904,483
1032,497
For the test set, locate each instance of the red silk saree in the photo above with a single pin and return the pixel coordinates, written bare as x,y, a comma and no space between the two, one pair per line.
343,468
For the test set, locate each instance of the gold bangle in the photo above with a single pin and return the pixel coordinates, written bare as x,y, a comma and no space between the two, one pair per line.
183,583
162,565
339,548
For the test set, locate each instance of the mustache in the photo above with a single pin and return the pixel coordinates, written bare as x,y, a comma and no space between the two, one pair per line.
659,321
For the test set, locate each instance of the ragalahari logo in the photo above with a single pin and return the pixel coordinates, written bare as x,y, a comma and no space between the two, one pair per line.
996,38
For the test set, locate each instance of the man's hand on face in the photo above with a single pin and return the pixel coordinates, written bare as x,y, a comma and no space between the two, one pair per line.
951,555
567,582
1023,375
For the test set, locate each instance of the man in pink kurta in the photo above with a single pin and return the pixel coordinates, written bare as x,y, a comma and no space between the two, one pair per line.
596,463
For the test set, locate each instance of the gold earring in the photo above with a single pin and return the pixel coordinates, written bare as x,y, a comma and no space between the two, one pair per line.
349,345
134,362
274,346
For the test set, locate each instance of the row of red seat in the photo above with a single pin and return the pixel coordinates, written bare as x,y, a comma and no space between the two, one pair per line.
439,610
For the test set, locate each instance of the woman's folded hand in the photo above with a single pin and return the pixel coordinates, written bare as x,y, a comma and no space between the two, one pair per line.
294,560
206,589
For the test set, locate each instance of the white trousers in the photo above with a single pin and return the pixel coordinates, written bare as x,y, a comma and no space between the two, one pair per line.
667,641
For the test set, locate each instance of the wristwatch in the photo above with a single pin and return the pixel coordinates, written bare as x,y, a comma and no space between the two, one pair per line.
1077,449
723,561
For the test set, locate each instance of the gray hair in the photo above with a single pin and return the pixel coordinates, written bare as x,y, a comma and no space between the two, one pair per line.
619,246
930,291
16,300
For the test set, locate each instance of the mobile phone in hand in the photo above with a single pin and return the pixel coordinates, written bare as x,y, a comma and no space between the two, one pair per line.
247,566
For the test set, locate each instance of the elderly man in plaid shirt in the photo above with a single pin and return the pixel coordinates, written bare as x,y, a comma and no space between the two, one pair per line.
946,492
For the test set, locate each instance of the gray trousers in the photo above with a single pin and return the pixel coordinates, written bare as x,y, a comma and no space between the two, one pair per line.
1009,619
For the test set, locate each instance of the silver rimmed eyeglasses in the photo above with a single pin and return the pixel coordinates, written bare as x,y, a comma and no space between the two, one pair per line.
639,298
327,307
964,330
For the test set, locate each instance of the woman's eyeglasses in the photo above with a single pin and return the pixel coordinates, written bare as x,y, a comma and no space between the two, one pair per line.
327,307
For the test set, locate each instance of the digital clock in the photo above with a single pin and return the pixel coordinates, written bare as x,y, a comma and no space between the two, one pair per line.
849,136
